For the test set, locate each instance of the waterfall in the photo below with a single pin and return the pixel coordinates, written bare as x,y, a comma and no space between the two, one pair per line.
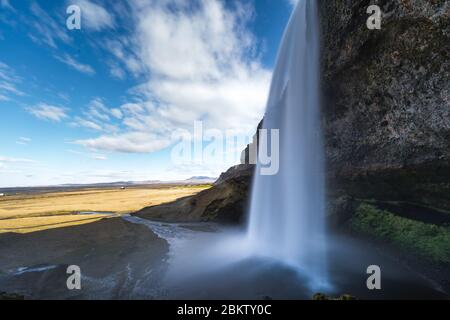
287,212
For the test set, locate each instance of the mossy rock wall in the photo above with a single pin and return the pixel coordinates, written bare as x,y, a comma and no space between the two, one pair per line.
386,101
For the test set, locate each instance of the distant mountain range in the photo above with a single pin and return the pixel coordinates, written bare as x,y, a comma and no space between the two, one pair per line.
193,180
201,179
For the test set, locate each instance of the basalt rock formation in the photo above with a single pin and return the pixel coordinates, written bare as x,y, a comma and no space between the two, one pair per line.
386,101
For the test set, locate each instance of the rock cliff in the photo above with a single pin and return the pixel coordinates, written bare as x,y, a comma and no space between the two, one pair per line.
386,101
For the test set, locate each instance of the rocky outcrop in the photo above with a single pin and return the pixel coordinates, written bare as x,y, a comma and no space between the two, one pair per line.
225,202
386,101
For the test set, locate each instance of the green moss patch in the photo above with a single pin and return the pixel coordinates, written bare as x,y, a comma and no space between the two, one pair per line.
426,240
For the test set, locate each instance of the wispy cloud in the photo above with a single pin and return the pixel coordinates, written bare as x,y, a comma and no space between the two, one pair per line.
95,17
98,117
132,142
97,157
45,111
15,160
9,87
117,113
23,141
7,74
116,72
46,30
64,96
80,122
8,82
6,4
74,64
98,110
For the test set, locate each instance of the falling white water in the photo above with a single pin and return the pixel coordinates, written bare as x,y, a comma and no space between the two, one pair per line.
287,215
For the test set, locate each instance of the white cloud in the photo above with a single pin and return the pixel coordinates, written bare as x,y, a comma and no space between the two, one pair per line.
71,62
131,142
80,122
116,113
7,74
11,88
98,110
122,50
48,112
200,64
98,117
94,16
293,2
8,83
117,72
23,141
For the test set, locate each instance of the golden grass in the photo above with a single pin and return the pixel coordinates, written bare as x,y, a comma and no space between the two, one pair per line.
27,225
29,213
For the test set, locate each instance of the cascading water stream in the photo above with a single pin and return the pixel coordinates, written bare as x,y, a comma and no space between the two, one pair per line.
287,214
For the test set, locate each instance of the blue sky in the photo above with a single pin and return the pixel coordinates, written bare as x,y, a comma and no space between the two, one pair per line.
101,104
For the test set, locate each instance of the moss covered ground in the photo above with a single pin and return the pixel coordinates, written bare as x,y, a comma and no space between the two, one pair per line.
428,241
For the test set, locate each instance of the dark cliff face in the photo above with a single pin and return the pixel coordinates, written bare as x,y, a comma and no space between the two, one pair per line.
386,91
386,122
386,101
